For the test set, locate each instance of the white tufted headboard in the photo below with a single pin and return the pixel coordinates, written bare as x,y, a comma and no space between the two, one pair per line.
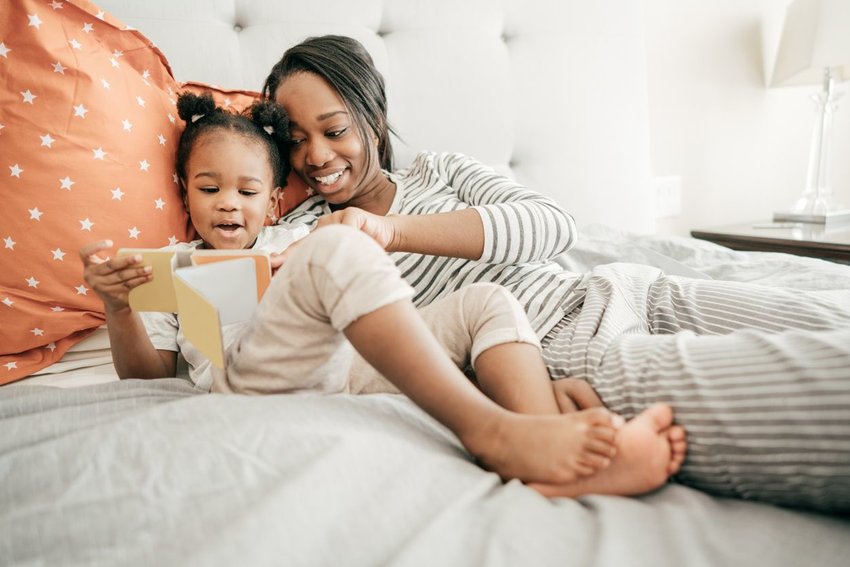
552,92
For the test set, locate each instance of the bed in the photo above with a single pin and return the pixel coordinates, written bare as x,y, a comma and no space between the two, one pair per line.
101,472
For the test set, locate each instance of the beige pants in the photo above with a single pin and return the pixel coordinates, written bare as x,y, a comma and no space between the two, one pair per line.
295,341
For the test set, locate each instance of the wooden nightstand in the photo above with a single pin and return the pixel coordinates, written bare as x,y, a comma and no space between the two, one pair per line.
817,241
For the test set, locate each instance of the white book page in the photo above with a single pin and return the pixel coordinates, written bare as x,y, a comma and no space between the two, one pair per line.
229,286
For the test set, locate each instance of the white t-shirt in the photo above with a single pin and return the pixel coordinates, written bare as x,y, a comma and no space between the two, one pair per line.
164,328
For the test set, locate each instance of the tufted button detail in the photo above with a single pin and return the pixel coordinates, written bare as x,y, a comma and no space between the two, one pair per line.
237,28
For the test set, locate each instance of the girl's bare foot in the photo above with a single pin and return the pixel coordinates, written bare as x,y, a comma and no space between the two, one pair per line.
649,449
554,448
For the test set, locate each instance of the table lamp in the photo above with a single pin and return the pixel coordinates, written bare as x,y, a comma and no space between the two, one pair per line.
815,49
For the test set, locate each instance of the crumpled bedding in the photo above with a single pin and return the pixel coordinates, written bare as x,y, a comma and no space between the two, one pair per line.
154,473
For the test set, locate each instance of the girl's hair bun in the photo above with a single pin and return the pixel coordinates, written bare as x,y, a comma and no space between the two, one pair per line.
190,105
270,117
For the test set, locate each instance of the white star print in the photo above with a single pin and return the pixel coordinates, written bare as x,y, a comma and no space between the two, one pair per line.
47,140
100,15
146,74
161,139
87,28
11,365
10,244
66,183
141,101
118,53
4,51
8,302
16,171
82,290
134,232
105,83
58,254
56,5
159,204
52,346
174,177
80,111
144,165
227,101
99,153
57,309
58,68
114,62
172,240
76,44
117,193
37,332
35,214
171,118
127,125
28,97
32,282
35,21
2,126
86,224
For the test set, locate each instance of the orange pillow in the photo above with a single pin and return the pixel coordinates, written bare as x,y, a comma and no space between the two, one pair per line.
88,136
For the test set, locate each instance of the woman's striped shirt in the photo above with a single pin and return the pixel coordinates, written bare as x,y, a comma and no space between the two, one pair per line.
523,232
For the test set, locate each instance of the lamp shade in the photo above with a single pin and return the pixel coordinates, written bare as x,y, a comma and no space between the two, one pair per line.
815,35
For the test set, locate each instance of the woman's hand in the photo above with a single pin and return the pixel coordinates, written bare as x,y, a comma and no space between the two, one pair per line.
573,394
380,228
112,279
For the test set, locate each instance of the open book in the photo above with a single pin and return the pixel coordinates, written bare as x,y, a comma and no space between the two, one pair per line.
208,289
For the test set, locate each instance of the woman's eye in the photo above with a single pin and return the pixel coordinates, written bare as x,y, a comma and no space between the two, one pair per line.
337,133
295,141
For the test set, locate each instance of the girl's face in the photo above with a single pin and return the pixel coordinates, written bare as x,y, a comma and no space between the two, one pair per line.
229,189
327,151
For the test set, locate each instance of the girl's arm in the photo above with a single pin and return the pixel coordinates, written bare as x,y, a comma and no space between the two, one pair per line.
133,353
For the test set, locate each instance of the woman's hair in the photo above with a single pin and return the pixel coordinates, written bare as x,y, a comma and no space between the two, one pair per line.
346,65
264,122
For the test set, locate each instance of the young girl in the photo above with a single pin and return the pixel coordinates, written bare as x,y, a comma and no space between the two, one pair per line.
338,288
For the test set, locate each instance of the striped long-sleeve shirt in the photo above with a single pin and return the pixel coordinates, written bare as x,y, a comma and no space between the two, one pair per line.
523,232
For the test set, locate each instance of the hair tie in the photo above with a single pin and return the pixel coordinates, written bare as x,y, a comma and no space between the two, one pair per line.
269,130
196,117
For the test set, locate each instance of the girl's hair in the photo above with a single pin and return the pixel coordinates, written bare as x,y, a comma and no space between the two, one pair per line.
264,122
346,65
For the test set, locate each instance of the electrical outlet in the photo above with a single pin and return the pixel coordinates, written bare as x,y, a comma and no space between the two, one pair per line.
668,196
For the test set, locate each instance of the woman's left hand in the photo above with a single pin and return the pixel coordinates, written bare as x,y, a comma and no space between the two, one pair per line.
380,228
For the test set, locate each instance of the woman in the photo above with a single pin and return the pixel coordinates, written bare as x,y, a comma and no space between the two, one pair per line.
760,377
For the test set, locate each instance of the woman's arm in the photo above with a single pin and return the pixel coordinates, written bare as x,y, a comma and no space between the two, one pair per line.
133,353
506,224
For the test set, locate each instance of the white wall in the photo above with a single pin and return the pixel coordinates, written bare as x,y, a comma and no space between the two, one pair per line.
740,148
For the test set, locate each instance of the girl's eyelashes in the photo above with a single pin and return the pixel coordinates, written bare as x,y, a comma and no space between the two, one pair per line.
209,189
248,192
337,133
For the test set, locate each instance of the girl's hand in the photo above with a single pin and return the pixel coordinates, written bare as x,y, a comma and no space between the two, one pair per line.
380,228
112,279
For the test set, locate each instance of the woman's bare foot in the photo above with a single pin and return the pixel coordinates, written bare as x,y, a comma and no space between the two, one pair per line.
552,449
649,449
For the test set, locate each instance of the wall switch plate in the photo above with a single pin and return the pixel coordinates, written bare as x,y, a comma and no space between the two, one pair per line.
668,196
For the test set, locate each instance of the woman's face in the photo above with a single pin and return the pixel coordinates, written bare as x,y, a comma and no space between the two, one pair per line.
327,151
